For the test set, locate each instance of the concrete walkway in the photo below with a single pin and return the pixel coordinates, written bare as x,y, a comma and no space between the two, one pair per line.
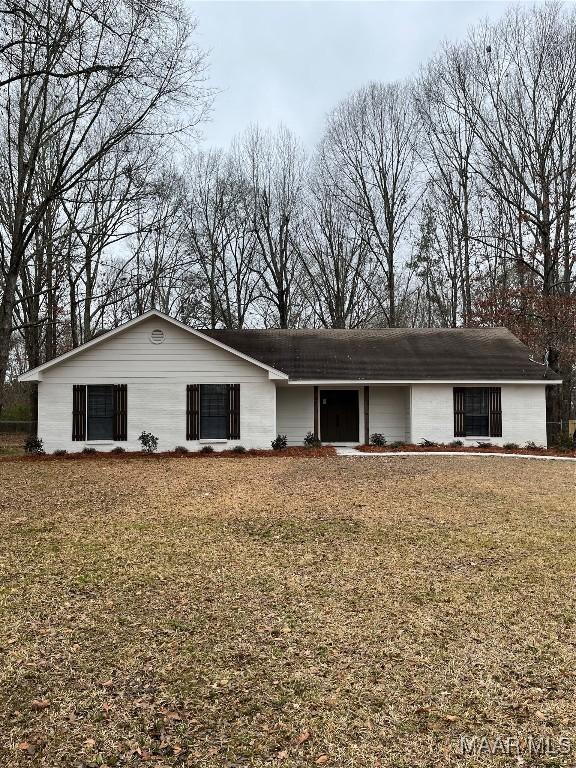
346,451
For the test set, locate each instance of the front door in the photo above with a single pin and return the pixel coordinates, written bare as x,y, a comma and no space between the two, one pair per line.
339,415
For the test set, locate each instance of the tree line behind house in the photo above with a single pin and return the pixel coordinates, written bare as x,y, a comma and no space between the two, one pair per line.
444,201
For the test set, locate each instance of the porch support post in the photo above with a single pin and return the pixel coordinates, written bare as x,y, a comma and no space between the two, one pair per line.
316,431
366,415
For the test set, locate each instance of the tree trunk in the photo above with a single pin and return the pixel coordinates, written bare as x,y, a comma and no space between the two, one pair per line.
6,321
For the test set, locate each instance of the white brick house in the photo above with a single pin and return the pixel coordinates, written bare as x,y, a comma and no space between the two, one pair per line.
229,388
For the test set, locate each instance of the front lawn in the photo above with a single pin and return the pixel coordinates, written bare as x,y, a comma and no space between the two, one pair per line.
336,611
12,443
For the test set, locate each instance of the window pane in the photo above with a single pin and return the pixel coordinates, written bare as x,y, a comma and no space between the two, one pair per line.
213,411
476,411
100,412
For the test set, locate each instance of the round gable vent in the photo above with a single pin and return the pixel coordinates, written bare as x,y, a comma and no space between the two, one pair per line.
157,336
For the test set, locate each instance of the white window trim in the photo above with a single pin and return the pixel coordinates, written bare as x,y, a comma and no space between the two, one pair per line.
99,442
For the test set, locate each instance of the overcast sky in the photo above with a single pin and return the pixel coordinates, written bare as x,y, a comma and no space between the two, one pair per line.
291,62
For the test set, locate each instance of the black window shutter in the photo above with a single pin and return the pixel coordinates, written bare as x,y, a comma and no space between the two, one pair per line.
234,412
120,412
192,412
459,426
79,412
495,412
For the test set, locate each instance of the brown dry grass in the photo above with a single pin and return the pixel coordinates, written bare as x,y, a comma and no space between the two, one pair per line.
346,612
12,443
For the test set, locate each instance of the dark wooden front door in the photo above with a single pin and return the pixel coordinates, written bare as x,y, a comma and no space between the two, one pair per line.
339,415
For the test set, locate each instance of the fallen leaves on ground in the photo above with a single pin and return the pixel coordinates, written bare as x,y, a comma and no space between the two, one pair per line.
337,612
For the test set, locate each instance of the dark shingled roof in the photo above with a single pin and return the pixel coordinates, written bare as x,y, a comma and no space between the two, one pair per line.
390,353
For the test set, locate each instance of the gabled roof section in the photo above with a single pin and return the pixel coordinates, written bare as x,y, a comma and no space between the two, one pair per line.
390,354
35,374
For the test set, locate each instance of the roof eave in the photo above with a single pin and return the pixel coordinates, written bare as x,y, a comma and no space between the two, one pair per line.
359,382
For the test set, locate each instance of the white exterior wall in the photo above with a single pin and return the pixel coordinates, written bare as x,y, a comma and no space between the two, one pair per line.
523,414
390,412
156,376
294,412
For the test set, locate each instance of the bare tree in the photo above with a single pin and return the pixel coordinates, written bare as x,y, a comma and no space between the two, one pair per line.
152,275
440,98
134,65
276,166
522,109
369,154
221,234
337,261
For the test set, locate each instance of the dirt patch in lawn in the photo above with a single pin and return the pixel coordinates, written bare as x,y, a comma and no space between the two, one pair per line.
293,613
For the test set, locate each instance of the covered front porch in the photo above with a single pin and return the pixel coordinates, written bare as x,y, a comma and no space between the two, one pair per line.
343,414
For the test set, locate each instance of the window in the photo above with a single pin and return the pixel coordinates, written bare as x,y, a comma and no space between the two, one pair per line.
100,412
214,413
477,412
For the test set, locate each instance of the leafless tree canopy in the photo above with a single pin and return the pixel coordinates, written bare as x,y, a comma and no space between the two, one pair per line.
448,200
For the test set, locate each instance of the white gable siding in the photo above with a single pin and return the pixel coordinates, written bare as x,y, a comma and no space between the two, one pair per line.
523,414
132,356
156,375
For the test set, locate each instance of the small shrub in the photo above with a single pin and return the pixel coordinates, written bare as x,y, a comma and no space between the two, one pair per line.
60,452
531,445
456,444
484,444
378,439
397,444
511,446
118,449
88,450
280,443
428,443
34,444
238,449
149,442
180,449
311,440
207,449
563,441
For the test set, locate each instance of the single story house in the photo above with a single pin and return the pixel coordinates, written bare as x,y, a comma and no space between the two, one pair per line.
226,387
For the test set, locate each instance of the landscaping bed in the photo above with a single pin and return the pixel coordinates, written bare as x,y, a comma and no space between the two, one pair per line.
291,452
413,448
